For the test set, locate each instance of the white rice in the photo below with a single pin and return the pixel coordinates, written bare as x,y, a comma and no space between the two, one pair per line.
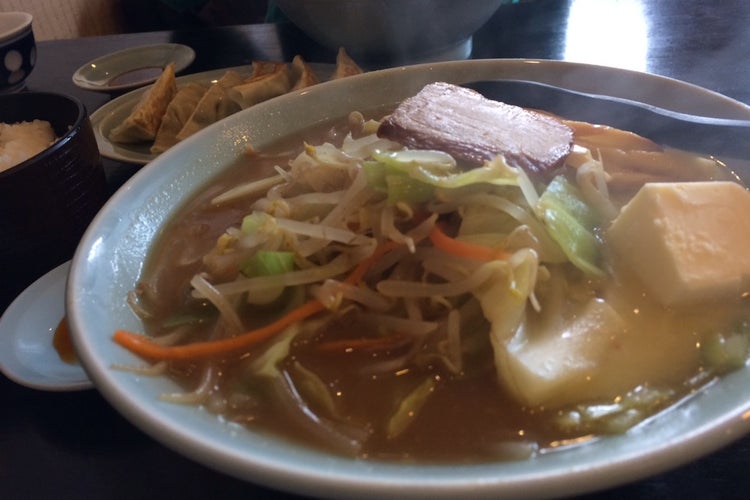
20,141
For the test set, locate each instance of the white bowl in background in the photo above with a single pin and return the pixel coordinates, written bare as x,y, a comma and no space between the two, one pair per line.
392,31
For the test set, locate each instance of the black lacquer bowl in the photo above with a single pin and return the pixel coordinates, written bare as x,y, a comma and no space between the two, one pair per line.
47,201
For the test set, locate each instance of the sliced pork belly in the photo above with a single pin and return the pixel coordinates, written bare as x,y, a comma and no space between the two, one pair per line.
474,129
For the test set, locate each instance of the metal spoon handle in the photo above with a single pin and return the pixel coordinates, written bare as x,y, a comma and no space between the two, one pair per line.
712,136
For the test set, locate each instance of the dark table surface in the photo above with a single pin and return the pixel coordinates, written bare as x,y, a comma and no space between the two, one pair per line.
74,445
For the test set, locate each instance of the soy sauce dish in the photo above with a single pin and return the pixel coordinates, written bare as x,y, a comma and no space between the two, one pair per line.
318,358
133,67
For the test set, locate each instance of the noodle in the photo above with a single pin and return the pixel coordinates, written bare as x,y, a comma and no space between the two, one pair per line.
207,290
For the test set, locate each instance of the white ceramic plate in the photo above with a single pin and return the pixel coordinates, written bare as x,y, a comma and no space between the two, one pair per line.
113,113
110,257
27,355
133,67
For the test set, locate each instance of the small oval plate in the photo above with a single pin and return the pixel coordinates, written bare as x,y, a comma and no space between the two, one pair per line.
27,355
133,67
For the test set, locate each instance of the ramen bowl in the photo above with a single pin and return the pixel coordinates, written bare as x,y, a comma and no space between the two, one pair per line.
109,262
47,200
385,31
17,50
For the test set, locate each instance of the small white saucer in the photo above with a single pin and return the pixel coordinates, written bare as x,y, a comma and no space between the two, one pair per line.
133,67
27,355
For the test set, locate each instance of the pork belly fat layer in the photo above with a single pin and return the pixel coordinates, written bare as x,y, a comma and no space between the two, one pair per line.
474,129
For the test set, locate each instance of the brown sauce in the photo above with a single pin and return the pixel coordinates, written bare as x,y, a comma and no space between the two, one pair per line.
136,76
63,344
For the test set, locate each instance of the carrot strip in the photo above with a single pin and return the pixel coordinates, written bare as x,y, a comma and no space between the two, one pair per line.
364,266
143,346
463,248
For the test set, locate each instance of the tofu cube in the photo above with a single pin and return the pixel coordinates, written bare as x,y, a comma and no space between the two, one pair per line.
688,242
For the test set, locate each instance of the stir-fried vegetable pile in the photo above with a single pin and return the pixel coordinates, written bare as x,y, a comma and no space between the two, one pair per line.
426,268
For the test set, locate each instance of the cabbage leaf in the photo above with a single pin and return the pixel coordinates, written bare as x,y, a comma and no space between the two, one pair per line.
544,363
413,176
571,223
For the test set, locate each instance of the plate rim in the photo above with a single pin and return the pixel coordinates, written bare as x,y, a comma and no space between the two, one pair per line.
313,472
180,54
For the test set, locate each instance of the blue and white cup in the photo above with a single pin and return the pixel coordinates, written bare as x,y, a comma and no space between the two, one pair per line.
17,50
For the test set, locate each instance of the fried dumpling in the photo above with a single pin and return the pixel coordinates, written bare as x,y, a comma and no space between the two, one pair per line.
261,68
345,66
262,87
143,122
177,115
213,106
230,79
302,75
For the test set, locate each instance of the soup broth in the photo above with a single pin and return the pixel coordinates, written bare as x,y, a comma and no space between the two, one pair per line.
409,376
